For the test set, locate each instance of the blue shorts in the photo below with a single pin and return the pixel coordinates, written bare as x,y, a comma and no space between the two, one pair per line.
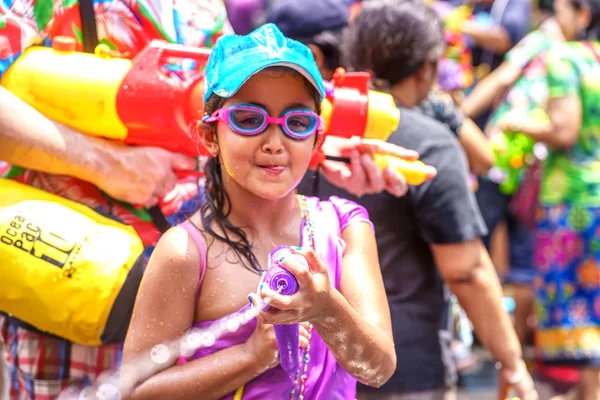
494,208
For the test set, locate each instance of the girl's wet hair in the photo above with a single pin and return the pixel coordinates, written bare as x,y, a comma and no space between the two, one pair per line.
393,39
216,205
592,32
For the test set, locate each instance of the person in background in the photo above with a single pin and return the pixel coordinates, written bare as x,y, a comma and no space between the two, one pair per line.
567,236
430,238
321,26
442,107
497,26
521,84
318,24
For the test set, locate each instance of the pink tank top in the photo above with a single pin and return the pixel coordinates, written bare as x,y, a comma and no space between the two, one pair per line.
326,379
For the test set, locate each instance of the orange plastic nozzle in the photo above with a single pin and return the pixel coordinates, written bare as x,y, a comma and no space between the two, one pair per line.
64,43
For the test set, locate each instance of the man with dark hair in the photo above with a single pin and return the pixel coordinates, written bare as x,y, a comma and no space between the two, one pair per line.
428,240
319,24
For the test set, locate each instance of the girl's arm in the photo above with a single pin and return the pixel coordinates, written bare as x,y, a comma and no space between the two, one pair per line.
164,312
355,322
560,132
357,325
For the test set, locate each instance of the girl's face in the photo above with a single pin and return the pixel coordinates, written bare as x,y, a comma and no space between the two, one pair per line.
570,19
269,165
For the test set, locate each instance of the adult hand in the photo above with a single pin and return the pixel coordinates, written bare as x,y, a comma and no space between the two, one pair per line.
139,175
519,380
362,176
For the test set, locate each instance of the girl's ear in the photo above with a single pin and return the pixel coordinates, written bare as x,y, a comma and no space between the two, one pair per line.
208,136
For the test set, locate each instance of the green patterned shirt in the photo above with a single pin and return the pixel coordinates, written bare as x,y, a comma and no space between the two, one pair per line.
573,176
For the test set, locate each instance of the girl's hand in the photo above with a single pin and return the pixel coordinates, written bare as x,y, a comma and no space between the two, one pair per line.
262,345
310,300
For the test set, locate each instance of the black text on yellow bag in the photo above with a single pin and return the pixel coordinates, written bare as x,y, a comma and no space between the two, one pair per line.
64,268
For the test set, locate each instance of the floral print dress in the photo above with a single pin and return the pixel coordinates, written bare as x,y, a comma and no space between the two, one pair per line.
567,254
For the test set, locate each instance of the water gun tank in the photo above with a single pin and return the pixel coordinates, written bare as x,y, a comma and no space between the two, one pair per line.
70,87
140,102
351,109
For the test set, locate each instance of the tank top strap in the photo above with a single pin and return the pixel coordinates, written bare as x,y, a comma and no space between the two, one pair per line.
195,234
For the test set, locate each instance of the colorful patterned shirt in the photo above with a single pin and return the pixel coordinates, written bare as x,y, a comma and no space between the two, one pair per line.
126,26
527,96
573,176
530,91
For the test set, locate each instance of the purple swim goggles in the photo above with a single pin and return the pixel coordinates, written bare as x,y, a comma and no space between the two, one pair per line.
251,120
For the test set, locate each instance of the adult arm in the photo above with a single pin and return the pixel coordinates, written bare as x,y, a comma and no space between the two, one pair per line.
474,143
564,107
468,270
506,75
501,38
495,39
164,311
489,89
562,129
138,175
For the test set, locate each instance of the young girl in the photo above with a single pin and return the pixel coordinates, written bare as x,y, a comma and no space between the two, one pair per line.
263,96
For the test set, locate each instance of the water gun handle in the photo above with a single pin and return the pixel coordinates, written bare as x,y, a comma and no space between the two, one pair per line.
416,172
288,342
279,279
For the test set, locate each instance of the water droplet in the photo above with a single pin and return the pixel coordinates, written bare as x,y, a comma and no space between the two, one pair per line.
160,354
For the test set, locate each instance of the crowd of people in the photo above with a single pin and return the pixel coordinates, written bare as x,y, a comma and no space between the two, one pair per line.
509,140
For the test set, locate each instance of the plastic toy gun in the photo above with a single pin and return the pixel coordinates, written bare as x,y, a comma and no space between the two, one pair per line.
513,151
351,109
138,102
143,102
280,280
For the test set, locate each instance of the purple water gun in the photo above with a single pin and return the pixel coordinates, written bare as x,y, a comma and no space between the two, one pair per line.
279,279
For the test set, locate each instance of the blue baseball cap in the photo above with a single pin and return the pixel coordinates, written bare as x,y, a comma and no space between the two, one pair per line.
235,59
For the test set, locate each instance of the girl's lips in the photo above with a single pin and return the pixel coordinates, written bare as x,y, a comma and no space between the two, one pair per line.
273,169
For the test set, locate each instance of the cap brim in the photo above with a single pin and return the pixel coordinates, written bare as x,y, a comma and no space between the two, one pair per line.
245,73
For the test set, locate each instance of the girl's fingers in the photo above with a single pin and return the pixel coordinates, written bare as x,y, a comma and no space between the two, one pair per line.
303,342
301,271
304,335
314,263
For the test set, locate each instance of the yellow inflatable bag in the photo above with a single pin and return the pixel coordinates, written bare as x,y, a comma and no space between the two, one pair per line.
65,269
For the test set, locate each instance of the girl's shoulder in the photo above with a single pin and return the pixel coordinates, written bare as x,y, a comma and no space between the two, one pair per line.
345,211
